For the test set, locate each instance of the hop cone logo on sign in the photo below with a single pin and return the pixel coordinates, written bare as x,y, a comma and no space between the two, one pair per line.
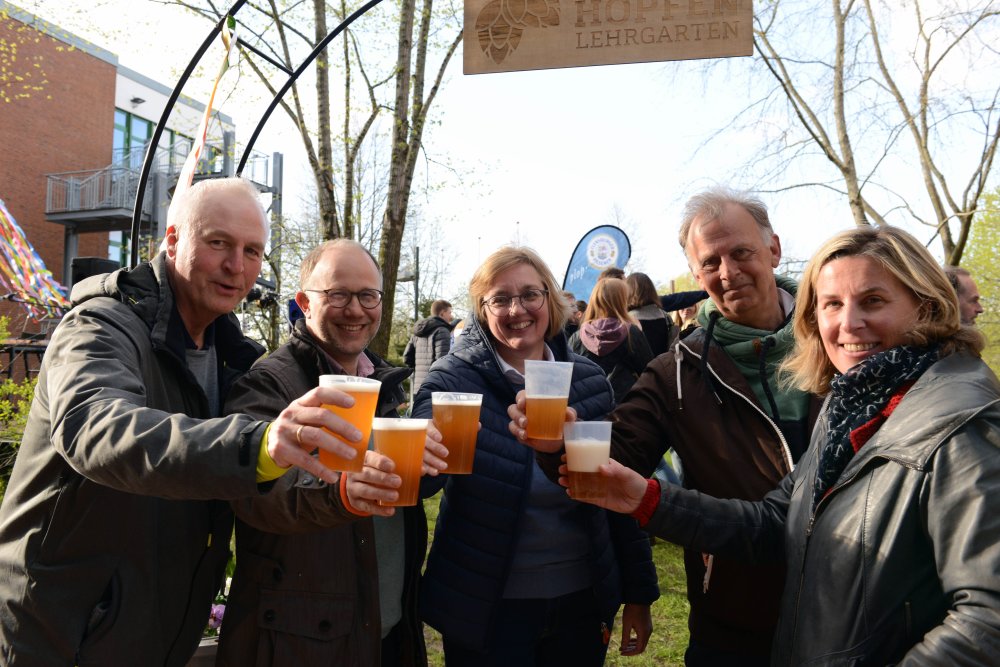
501,22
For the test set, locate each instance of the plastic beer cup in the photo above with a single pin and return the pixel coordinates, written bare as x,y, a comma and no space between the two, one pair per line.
402,440
365,393
546,385
456,415
588,445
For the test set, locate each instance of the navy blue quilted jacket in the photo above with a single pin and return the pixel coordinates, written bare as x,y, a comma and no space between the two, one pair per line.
479,521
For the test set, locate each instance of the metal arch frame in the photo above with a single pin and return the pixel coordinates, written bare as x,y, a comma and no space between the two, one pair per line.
154,141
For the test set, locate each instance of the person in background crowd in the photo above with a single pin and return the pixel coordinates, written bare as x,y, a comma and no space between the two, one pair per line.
717,403
611,272
610,338
644,306
889,524
686,319
679,300
112,544
338,586
573,322
518,574
968,294
431,340
657,327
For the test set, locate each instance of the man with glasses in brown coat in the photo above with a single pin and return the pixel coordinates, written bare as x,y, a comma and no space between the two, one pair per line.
324,575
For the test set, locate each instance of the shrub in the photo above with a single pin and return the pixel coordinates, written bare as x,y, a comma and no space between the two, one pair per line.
15,400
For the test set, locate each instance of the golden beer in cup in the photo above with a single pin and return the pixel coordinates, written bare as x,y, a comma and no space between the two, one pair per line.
365,394
456,416
402,440
588,445
546,389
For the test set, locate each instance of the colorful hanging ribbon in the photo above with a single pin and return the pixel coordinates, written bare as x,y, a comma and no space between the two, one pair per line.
23,274
187,173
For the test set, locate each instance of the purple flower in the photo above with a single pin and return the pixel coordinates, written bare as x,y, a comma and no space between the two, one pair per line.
215,618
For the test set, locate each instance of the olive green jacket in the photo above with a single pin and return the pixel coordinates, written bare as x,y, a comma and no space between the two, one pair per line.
112,546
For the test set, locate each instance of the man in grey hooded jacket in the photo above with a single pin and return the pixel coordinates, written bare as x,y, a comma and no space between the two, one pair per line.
112,542
430,341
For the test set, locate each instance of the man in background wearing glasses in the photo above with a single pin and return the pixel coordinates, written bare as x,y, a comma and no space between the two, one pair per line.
319,580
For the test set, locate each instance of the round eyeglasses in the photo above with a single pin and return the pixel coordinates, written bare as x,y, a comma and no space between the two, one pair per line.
339,298
531,300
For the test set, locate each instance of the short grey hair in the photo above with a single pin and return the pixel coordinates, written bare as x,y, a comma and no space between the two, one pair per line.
710,204
185,206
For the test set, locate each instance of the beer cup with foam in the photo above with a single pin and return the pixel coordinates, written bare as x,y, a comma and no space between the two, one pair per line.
365,393
588,445
546,390
402,440
456,416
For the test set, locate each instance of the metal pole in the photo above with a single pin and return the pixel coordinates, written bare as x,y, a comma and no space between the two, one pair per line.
416,284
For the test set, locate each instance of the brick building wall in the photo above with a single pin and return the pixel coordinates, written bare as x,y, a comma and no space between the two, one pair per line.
68,125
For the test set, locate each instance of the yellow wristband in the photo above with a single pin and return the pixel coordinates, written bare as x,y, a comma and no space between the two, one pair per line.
267,469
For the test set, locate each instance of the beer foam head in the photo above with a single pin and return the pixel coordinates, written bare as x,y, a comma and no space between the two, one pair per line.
455,398
547,378
399,424
350,383
585,454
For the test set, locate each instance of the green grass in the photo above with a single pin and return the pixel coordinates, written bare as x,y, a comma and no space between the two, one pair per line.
670,612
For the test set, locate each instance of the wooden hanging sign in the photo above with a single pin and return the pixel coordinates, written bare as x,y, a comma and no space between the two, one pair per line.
511,35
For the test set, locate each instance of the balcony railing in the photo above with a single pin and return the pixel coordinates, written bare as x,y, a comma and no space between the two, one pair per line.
111,187
115,186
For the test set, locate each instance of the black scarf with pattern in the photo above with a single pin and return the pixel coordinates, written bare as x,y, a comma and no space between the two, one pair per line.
857,397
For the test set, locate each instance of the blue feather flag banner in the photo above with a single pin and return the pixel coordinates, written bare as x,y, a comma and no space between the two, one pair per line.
600,248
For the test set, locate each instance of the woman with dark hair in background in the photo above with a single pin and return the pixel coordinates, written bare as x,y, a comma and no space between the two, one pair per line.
610,337
644,307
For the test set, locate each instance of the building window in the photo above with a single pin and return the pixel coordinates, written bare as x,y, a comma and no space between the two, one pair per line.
118,247
133,133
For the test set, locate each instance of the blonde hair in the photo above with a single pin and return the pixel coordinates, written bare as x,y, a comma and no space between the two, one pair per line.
609,298
683,322
900,254
506,258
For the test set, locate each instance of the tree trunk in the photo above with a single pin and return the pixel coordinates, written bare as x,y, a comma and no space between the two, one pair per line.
324,172
394,219
854,90
847,166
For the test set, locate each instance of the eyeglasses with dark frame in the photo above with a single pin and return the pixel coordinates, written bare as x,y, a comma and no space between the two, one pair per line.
339,298
531,300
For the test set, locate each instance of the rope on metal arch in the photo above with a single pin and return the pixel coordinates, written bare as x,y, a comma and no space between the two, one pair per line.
23,274
154,141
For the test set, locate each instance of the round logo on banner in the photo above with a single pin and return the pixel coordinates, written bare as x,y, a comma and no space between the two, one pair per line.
602,251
